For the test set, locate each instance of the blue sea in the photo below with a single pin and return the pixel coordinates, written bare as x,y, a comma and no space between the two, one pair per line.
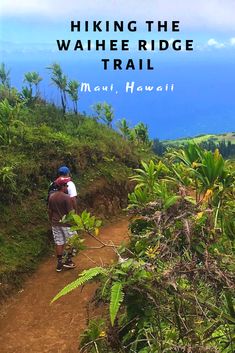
203,99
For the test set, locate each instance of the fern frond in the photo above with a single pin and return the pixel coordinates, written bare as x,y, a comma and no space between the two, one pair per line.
117,297
84,277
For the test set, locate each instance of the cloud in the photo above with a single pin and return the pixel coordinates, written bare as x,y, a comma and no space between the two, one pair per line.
214,43
232,41
210,14
15,47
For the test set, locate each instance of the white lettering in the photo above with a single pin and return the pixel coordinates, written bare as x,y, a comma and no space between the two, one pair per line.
130,86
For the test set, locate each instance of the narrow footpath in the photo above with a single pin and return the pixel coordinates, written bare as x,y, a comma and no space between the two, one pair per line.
28,323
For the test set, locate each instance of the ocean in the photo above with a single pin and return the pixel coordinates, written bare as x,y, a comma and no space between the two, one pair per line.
201,101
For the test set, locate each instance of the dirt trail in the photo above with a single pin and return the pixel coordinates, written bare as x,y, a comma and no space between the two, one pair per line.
29,324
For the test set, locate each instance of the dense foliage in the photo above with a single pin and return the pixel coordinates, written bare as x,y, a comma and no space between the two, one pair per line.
173,287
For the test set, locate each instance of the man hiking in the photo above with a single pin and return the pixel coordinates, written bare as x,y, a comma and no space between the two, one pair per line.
72,192
59,205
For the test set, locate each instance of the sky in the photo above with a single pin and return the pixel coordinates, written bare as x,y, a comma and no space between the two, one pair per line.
41,22
29,30
211,13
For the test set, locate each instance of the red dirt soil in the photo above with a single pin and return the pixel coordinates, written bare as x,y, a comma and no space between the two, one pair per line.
28,323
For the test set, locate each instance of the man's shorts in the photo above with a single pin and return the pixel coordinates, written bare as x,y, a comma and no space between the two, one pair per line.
61,234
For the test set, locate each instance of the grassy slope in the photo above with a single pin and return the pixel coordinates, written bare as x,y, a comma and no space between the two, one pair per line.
100,161
24,241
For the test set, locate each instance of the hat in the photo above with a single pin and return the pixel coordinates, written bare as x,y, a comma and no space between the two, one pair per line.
62,181
63,170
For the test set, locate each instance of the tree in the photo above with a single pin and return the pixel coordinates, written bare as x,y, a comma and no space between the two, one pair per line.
4,76
73,93
60,81
33,79
104,112
27,94
124,128
141,133
158,147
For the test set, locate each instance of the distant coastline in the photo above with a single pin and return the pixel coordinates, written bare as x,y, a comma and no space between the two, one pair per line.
129,87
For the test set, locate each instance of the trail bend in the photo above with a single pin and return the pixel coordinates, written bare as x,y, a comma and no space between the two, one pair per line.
28,323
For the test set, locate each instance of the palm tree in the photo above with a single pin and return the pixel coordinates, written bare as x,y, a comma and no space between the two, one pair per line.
73,93
33,78
60,81
4,76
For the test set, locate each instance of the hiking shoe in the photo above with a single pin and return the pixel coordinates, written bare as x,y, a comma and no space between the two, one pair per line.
59,267
69,264
74,252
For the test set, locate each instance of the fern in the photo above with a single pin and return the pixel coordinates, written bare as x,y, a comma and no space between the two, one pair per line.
117,297
84,277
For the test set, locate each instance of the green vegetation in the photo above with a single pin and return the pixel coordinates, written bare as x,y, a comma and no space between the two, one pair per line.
35,139
4,76
104,112
227,137
224,142
172,289
138,134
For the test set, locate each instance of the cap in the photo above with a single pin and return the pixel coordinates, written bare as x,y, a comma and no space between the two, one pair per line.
63,170
62,181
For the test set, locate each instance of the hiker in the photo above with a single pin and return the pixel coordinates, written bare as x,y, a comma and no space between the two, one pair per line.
60,204
72,191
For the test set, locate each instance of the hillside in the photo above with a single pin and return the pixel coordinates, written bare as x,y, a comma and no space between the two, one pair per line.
172,288
216,138
36,139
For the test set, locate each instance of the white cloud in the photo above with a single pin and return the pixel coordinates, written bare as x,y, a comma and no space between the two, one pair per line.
232,41
214,43
205,14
